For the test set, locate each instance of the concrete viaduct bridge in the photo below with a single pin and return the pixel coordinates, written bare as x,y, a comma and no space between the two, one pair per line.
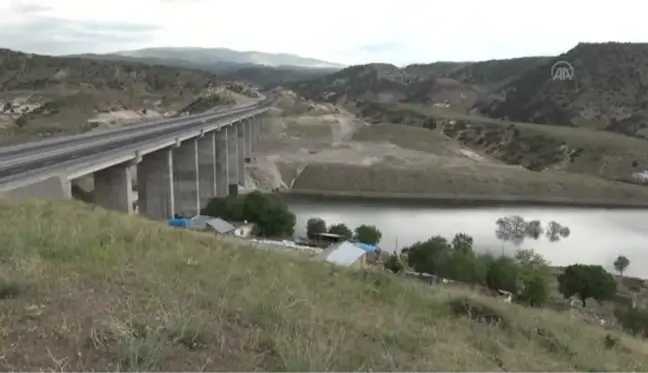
181,162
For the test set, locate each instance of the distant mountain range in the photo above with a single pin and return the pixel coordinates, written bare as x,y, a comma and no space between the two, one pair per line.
224,56
264,69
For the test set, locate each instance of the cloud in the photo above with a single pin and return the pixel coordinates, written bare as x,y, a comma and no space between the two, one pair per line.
358,31
36,30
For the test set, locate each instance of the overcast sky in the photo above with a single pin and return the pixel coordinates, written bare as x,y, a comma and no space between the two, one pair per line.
344,31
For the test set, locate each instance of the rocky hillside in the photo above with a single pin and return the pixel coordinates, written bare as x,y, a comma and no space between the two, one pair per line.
460,85
44,95
609,91
385,83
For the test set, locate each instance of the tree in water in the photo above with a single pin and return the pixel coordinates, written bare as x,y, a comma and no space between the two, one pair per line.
556,231
621,263
516,230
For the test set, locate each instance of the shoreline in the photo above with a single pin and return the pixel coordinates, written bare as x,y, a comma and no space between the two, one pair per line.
455,201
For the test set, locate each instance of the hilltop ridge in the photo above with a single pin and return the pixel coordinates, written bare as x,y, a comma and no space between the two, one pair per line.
44,95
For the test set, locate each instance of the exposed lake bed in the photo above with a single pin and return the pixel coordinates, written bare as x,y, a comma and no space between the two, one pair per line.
597,236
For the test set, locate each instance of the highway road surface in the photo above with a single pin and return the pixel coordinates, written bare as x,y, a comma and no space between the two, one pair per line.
18,160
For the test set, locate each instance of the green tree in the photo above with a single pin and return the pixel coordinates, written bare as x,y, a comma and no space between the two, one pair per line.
341,229
535,289
535,276
621,263
462,243
270,215
503,274
368,234
462,266
587,281
394,264
228,208
429,256
633,320
315,226
530,259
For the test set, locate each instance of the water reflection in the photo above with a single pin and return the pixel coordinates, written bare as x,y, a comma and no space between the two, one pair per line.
598,236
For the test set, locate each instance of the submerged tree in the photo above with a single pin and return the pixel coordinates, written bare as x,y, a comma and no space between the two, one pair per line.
557,231
516,230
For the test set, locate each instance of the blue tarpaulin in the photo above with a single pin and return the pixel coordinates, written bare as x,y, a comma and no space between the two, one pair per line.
366,247
179,222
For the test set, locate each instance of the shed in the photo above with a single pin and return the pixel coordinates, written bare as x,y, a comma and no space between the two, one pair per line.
347,253
204,222
243,229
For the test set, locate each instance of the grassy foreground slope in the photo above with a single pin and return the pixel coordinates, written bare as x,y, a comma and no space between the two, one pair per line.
84,289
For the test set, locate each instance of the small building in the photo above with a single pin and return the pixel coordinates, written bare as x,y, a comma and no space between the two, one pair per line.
210,223
243,229
326,239
347,253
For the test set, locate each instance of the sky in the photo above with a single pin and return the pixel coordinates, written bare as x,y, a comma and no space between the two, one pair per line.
343,31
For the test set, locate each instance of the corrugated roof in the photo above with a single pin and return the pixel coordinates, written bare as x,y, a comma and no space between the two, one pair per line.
220,225
201,222
345,253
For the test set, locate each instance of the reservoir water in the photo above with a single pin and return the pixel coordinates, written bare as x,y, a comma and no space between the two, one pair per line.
598,236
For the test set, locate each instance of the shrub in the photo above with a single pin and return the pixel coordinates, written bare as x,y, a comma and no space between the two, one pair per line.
503,274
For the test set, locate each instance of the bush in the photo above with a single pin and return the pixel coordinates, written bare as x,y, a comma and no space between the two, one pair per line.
394,263
535,290
503,274
634,321
270,215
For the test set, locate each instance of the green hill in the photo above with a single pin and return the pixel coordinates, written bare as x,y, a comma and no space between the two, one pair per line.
84,289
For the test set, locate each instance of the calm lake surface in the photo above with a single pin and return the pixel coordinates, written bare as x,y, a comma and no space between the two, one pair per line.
598,236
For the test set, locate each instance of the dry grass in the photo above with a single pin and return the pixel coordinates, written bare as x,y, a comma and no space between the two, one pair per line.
84,289
407,137
465,182
577,136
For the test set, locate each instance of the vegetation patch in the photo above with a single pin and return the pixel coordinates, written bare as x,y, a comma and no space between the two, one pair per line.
114,292
477,312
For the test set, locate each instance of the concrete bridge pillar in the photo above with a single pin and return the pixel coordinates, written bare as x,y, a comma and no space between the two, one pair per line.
249,135
186,178
258,125
242,152
155,185
222,163
232,150
113,188
206,168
